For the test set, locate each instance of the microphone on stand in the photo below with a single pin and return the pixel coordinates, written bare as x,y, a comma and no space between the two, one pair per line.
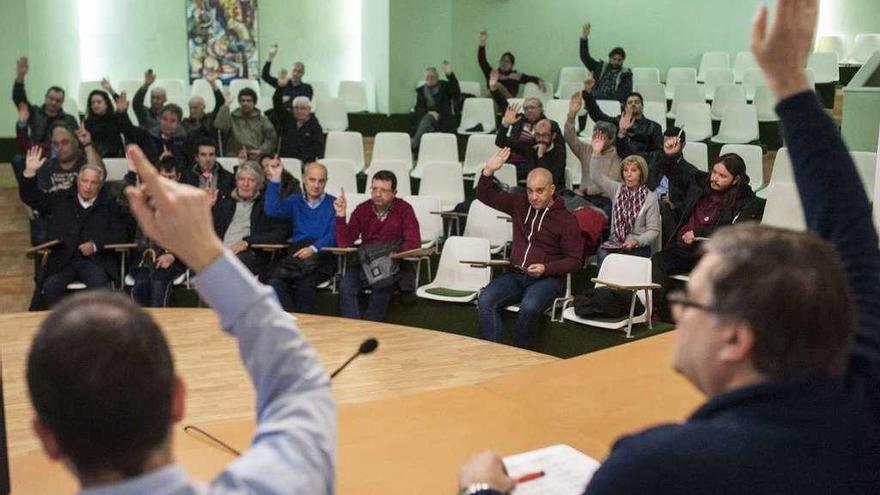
366,347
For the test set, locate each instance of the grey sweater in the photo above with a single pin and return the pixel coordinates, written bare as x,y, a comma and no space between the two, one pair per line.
608,164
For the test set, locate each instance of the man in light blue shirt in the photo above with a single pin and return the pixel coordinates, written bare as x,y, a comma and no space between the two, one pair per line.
102,380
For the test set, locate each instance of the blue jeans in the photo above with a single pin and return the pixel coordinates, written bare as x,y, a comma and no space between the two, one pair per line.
534,296
151,285
601,253
353,282
81,268
303,298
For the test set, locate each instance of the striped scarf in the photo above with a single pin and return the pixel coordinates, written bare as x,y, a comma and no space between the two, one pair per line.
626,208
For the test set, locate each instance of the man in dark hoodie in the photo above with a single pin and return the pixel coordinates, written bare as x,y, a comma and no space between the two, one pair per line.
547,245
615,82
710,201
166,136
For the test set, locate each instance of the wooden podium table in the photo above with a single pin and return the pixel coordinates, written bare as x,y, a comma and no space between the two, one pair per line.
409,414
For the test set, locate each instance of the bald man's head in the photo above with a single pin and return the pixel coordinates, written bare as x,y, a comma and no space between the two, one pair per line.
540,188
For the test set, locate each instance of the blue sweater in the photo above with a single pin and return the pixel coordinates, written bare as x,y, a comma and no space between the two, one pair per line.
308,223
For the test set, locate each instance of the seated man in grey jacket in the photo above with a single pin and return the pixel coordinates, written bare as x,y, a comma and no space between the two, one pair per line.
606,163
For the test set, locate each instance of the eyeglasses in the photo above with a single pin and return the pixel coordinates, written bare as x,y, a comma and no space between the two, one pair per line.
381,190
680,298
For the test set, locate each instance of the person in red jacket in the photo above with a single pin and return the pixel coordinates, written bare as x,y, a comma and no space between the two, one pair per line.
384,218
547,245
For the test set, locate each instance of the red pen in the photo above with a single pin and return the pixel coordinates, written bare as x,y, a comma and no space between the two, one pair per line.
529,477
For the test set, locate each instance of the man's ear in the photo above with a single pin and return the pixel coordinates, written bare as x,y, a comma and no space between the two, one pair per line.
738,344
47,439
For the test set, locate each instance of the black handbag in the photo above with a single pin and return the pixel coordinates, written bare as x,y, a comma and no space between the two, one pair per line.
605,302
379,268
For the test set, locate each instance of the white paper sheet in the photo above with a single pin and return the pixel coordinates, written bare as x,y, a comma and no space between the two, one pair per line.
566,470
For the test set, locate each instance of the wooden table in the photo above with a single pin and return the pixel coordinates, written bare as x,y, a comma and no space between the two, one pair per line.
409,415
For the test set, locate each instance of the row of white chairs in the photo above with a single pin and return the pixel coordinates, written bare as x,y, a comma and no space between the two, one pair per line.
864,45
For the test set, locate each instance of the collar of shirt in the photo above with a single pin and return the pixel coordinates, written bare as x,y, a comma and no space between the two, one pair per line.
316,203
85,204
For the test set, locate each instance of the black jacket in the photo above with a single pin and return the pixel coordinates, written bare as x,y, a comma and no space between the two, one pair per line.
225,180
264,229
105,133
444,102
658,161
39,122
153,142
103,223
306,142
553,160
644,136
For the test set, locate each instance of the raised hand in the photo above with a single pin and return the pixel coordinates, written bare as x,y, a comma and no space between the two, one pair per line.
33,161
340,204
21,68
494,75
626,121
273,50
496,161
598,143
585,31
83,135
274,167
149,77
782,50
447,67
282,78
511,115
484,35
672,145
24,112
121,102
575,103
211,77
106,86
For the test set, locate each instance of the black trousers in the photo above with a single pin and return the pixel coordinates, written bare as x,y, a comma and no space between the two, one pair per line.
672,260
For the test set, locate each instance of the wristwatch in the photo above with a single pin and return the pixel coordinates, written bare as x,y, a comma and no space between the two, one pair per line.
475,488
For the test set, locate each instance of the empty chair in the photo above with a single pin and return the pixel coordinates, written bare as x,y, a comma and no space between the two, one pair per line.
782,170
477,111
752,78
457,281
696,153
783,208
173,87
765,104
86,87
532,90
516,101
320,94
293,166
398,167
744,60
470,88
656,111
651,92
341,173
833,43
726,95
739,125
866,164
623,271
686,93
435,147
610,108
229,163
712,60
480,147
488,223
753,155
567,89
116,168
235,87
645,75
696,120
715,78
332,114
505,175
557,111
825,67
430,225
810,74
679,75
348,145
201,87
571,75
443,180
864,46
354,94
392,146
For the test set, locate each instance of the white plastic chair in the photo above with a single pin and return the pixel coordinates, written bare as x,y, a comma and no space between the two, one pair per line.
753,155
398,167
631,273
610,108
866,164
739,125
477,111
752,78
173,87
645,75
430,228
294,167
354,94
679,75
712,60
557,111
347,145
656,111
341,173
696,121
765,104
435,147
332,115
116,168
86,87
229,163
506,175
201,87
715,78
456,281
443,180
235,87
783,208
392,146
571,75
532,90
725,96
744,60
651,92
864,46
480,147
567,89
320,95
470,87
488,223
782,169
696,153
825,67
686,93
833,43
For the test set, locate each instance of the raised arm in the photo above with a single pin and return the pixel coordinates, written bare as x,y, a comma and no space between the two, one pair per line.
19,95
486,191
578,147
481,55
591,63
834,200
593,109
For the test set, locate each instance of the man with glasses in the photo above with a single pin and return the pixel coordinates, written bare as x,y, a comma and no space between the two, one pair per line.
780,329
535,141
615,80
382,219
246,127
